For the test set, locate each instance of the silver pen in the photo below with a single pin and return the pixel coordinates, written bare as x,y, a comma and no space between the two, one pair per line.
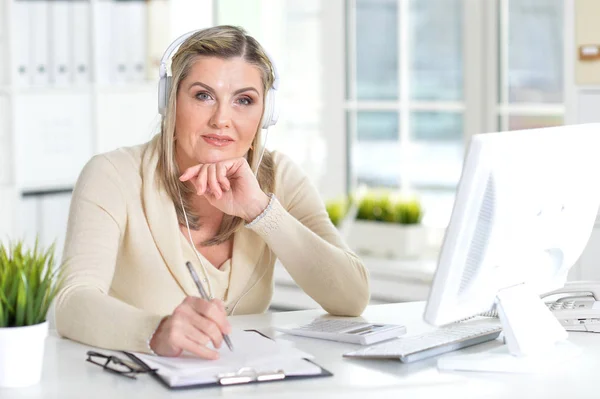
205,296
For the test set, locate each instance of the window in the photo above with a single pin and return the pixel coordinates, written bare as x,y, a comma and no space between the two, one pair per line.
531,53
406,105
404,95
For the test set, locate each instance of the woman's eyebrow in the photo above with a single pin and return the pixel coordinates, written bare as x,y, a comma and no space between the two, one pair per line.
207,87
249,88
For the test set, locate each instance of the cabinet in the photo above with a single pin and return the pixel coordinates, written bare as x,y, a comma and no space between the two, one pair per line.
77,78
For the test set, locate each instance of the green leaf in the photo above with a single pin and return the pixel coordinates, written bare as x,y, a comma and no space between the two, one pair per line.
21,300
28,283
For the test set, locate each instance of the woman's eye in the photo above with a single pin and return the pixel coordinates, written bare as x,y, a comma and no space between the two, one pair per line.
203,96
245,101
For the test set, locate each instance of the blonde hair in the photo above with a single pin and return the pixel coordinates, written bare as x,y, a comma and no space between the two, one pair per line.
223,42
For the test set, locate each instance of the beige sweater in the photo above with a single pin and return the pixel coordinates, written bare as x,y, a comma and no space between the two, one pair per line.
126,255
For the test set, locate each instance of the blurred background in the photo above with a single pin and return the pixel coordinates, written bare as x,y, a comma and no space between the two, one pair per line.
379,98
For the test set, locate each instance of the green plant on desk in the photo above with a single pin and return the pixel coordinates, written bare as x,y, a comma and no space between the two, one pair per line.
380,206
28,284
384,206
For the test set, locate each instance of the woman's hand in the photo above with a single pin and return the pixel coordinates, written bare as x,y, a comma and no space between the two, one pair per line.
229,186
193,324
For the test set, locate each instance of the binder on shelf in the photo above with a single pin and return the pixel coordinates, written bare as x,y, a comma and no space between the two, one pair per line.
21,43
136,40
80,41
120,42
265,361
102,31
60,46
39,42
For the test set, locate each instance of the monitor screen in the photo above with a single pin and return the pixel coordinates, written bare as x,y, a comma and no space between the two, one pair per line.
524,210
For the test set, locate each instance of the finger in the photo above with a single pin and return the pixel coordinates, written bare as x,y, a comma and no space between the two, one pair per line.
197,325
190,172
189,343
182,324
222,176
201,337
211,330
213,183
211,311
201,183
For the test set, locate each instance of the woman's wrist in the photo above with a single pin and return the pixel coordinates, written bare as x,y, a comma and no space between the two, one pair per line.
151,339
256,207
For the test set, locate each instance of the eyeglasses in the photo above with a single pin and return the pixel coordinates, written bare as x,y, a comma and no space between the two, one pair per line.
117,365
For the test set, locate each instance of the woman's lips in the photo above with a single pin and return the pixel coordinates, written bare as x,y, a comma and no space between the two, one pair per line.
218,141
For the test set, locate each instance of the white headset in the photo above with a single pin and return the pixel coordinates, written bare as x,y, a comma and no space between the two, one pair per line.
270,114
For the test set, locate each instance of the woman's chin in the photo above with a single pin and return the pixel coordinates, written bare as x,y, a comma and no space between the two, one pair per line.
215,158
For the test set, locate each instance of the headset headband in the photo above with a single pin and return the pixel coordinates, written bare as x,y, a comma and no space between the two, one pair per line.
162,69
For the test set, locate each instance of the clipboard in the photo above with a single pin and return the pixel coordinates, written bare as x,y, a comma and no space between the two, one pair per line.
244,375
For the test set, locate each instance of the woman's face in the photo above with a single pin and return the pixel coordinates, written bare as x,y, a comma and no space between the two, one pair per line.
219,106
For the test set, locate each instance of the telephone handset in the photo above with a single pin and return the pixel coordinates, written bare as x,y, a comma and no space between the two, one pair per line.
576,305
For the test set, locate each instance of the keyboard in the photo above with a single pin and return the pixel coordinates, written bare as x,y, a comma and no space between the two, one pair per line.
433,343
345,330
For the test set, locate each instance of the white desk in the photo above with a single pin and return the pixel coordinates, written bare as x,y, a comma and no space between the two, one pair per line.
67,375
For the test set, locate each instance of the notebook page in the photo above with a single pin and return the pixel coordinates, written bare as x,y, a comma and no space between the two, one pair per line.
250,350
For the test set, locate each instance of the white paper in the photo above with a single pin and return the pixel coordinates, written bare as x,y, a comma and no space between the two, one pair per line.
251,350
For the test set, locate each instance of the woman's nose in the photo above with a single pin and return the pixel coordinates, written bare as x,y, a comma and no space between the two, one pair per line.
221,118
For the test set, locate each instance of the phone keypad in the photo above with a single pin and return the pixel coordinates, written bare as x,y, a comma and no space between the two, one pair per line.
564,305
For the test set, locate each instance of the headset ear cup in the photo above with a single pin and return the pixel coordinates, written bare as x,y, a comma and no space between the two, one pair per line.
164,85
271,113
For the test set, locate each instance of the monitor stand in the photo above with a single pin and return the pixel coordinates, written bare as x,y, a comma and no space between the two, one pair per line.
534,338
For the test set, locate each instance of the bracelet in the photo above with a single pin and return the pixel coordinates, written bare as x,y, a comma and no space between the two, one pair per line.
263,213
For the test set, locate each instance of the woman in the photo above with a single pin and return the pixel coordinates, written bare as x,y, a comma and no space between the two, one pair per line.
139,214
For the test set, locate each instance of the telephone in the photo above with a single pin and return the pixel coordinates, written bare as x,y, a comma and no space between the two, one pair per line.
576,305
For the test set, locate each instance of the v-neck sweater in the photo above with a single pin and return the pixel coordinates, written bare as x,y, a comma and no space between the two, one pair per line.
126,257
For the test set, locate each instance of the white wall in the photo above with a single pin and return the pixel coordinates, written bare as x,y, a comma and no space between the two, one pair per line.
582,96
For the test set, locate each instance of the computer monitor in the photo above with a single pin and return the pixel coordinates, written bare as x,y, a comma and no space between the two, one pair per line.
524,210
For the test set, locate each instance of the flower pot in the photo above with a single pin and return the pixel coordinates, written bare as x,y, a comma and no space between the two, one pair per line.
390,240
22,354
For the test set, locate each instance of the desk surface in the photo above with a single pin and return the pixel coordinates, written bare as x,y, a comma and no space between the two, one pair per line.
67,375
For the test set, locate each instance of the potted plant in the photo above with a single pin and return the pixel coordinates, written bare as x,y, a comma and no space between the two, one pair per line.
28,284
382,223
